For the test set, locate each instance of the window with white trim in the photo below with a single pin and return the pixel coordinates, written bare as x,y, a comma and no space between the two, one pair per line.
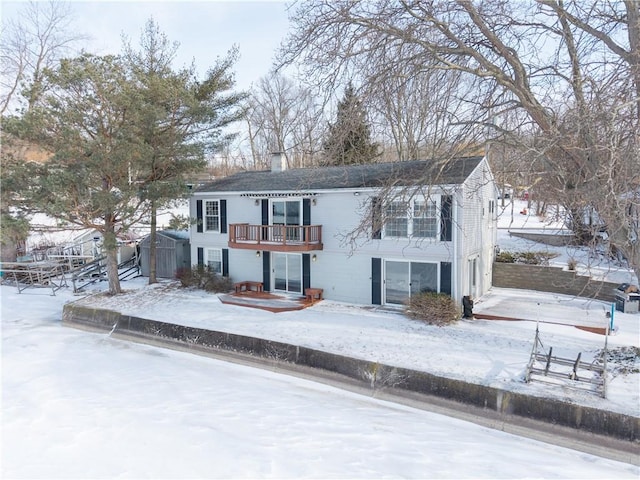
425,219
212,216
396,221
213,260
417,218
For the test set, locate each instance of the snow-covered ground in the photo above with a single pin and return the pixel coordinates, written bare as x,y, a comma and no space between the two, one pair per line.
85,405
493,353
591,263
488,352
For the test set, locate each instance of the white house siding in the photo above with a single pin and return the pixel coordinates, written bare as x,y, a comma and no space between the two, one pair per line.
346,275
343,278
334,269
478,230
204,239
344,271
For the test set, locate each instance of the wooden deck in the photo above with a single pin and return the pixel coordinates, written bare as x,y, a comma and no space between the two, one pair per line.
265,301
276,238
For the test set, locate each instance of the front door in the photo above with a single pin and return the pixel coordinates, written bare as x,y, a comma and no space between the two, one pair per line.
287,272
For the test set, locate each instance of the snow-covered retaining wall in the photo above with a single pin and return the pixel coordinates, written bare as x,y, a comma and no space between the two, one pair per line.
550,279
553,239
362,373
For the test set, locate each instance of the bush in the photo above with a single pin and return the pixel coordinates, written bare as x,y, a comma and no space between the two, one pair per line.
527,258
202,277
505,257
433,308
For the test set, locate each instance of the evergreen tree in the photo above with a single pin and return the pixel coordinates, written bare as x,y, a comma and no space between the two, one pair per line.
14,223
349,139
86,120
181,119
124,132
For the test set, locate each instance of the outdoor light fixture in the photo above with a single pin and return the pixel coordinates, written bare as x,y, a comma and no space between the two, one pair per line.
314,258
257,202
258,253
313,202
356,193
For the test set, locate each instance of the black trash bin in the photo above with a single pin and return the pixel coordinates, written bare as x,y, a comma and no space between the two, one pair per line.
467,307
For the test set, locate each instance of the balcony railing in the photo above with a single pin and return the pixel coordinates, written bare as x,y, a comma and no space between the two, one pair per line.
276,238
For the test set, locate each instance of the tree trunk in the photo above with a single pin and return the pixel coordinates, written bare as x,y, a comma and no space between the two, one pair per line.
9,251
152,244
111,251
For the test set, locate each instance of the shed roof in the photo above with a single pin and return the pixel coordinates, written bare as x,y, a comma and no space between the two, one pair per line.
175,234
452,172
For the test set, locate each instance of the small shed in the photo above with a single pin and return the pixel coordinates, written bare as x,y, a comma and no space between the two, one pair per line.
173,251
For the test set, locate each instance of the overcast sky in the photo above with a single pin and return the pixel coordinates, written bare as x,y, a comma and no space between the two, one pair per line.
205,29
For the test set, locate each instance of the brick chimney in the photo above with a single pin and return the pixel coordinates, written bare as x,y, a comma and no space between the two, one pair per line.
278,162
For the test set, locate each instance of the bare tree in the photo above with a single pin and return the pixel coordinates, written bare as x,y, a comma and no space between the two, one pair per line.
309,129
572,67
35,41
282,116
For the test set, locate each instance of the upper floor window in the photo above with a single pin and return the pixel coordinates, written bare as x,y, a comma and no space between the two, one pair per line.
396,222
416,218
425,219
212,216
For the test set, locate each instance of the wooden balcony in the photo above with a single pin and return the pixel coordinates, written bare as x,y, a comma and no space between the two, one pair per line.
276,238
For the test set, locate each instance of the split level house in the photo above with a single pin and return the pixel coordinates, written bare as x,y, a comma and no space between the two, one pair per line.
365,234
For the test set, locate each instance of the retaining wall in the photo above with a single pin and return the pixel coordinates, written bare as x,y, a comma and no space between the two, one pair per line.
550,279
366,374
553,239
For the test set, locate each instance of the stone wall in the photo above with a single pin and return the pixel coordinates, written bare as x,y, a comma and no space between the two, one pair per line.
550,279
368,375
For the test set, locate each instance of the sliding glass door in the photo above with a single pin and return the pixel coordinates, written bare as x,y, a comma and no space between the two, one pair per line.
403,279
286,213
287,272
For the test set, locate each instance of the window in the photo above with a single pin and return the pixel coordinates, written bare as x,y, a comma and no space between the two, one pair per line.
417,218
214,260
396,222
425,219
212,216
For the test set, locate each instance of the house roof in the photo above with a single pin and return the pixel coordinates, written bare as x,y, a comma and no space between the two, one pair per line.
452,172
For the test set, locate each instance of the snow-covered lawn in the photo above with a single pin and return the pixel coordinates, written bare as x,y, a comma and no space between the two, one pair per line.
85,405
487,352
